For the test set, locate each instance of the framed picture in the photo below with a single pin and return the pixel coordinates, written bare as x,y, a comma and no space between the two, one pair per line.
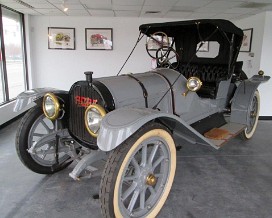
157,42
247,40
204,47
61,38
98,39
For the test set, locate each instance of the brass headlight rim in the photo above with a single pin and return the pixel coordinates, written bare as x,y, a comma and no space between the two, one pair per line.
197,79
102,112
56,103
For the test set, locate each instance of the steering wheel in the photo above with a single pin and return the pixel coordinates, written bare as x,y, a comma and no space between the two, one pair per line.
158,47
165,58
158,40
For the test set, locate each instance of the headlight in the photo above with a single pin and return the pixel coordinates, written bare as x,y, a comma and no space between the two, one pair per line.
51,106
93,117
194,84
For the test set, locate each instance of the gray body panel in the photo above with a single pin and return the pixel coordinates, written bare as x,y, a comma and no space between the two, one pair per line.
29,96
191,108
131,114
242,99
120,124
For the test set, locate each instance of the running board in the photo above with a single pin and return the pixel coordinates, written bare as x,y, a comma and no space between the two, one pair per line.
232,129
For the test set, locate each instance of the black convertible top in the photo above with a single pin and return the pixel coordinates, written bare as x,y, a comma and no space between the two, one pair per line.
171,27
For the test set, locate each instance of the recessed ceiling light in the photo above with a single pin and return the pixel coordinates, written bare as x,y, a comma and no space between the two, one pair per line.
64,6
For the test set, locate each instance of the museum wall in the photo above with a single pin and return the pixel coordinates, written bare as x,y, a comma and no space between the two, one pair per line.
266,66
61,68
261,48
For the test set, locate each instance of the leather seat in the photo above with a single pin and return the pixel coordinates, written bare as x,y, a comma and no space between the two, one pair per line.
210,75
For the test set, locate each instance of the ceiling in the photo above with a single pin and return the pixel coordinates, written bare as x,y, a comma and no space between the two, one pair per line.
183,9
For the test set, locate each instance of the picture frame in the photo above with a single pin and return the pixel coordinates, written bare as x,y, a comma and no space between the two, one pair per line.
61,38
247,40
204,47
99,38
152,45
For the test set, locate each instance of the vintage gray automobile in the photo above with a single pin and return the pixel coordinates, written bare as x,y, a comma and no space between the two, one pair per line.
136,122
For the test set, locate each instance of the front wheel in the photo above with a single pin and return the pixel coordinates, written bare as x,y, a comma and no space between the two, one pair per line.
32,128
139,174
253,116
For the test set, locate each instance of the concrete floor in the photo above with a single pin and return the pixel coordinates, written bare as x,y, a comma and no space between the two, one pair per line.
234,182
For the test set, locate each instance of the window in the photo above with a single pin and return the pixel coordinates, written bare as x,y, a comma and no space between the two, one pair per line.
12,55
209,49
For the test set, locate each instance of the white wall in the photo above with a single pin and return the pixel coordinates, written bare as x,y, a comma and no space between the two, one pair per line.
61,68
261,47
266,66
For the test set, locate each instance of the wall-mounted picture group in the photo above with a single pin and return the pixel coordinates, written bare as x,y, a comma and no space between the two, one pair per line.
95,38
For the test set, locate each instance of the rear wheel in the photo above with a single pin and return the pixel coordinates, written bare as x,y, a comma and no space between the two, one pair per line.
253,116
32,128
139,174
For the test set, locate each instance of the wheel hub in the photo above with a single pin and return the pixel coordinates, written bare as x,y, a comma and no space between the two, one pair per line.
151,180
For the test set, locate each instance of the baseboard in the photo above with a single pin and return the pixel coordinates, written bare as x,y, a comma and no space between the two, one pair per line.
12,120
265,117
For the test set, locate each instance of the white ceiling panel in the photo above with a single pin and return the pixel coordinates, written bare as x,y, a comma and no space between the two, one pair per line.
240,10
202,15
97,4
102,13
41,5
34,1
29,11
224,4
242,16
127,7
52,12
160,2
176,14
77,13
225,16
184,8
195,3
210,9
127,13
71,6
128,2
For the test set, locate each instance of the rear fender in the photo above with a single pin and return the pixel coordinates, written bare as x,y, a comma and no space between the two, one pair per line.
120,124
35,95
240,107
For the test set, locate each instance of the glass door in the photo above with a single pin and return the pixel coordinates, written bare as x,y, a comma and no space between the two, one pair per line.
2,81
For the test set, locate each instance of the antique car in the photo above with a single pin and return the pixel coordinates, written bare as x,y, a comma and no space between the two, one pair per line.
136,122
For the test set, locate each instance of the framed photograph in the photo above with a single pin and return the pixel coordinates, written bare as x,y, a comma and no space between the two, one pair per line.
61,38
204,47
247,40
98,39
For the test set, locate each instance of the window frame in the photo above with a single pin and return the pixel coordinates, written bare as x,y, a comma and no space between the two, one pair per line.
2,50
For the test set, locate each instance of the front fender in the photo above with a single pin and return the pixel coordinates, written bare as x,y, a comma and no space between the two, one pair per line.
120,124
32,95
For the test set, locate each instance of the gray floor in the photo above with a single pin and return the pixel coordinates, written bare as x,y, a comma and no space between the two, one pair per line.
234,182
